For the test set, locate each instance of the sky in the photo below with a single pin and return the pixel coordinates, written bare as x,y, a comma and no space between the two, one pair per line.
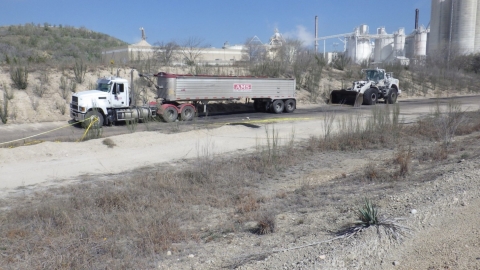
216,21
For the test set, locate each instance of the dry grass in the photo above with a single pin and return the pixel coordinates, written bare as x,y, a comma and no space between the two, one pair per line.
129,222
109,142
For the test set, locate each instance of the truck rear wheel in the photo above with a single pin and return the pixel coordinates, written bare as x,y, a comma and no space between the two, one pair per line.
89,116
370,97
188,113
278,106
289,105
170,114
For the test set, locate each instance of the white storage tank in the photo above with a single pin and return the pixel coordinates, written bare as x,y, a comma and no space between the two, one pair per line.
383,46
476,49
399,41
410,46
440,21
364,50
420,43
358,49
464,25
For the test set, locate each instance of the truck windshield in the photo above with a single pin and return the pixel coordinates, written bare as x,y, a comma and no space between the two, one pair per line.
104,87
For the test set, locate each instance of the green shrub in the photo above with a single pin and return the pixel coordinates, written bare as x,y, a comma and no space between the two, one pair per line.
79,70
19,77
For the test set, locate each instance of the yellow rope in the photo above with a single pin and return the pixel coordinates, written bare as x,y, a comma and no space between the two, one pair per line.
41,133
93,119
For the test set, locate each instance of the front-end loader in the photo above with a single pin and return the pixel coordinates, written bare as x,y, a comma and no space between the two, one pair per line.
378,84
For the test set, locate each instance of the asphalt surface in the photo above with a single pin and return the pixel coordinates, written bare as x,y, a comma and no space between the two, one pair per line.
410,109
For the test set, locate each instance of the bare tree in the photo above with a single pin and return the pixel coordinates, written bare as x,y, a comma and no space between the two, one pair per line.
254,50
289,50
192,49
167,53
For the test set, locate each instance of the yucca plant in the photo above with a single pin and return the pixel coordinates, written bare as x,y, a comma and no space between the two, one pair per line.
368,214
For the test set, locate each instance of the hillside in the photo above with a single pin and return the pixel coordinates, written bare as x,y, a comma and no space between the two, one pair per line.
52,44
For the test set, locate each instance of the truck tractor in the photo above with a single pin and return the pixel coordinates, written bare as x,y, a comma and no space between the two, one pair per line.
110,102
378,84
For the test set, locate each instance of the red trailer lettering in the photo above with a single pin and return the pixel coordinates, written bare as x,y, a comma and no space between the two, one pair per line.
242,87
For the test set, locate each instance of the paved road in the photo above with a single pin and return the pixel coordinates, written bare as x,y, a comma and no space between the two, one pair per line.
410,109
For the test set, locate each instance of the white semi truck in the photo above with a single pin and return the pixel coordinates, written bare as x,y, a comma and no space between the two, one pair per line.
178,95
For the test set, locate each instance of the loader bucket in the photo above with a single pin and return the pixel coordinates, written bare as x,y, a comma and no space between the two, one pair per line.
346,97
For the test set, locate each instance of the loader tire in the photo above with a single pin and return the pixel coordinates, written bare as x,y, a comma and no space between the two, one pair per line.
391,96
278,106
289,106
370,97
170,114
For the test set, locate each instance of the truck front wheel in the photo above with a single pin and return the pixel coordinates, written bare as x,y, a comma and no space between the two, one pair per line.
90,116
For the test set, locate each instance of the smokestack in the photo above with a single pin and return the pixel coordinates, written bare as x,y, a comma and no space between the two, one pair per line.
316,34
416,18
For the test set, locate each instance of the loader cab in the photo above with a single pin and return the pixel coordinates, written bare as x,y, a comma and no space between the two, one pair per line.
375,75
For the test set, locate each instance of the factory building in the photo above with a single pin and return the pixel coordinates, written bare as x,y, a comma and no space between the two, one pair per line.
227,55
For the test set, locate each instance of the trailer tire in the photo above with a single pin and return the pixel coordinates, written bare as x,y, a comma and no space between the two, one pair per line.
170,114
277,106
289,105
370,97
97,124
188,112
391,96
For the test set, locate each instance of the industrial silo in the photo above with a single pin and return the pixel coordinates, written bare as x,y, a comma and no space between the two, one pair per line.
440,21
399,42
359,48
420,42
383,46
464,25
477,30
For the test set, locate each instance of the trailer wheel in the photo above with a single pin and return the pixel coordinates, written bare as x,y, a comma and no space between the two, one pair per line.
278,106
370,97
289,105
88,119
391,96
187,113
170,114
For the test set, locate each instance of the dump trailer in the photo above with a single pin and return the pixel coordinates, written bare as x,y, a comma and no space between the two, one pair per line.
179,94
378,84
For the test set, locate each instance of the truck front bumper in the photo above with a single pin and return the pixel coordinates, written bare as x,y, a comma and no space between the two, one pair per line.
77,116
